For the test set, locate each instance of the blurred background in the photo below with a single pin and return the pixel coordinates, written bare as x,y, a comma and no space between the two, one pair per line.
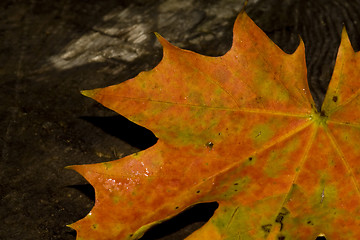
50,50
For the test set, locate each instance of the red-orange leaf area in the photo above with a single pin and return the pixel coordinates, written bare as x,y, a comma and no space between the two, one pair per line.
241,130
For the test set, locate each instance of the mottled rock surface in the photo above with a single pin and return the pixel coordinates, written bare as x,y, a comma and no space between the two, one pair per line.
50,50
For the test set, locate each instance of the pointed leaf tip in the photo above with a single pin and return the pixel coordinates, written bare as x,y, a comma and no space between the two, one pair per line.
70,226
76,168
301,44
300,48
71,167
157,35
67,167
345,40
90,93
244,6
344,34
162,40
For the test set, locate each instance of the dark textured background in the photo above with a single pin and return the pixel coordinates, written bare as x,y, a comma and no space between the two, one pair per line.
50,50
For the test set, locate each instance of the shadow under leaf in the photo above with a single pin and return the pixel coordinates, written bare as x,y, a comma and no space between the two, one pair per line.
182,225
120,127
86,189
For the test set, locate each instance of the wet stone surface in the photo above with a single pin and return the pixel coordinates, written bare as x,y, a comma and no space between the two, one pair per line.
50,50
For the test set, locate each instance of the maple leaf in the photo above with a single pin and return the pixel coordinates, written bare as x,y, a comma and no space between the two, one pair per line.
241,130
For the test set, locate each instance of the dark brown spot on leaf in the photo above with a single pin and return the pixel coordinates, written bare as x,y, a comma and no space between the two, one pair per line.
280,217
266,228
258,99
281,237
209,145
335,98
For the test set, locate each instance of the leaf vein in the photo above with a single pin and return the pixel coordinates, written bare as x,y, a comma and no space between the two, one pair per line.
303,160
342,156
246,110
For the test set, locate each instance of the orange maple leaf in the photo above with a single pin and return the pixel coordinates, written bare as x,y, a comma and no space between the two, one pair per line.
242,130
